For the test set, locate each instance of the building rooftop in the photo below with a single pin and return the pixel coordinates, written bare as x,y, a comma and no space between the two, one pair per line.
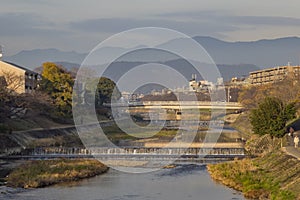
20,67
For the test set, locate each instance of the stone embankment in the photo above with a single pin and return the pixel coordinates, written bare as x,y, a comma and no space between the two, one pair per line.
66,136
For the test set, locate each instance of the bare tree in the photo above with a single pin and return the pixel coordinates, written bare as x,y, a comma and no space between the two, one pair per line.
13,80
11,102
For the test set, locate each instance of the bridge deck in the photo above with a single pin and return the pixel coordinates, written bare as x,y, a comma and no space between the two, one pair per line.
179,105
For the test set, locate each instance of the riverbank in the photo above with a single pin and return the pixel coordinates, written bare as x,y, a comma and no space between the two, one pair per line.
41,173
184,182
6,167
274,175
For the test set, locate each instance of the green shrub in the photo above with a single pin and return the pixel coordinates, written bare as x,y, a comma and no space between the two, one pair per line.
4,128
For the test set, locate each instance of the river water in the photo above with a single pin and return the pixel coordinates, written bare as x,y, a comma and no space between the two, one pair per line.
185,182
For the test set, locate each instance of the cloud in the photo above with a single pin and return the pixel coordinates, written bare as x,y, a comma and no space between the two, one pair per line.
40,24
225,17
265,20
210,22
24,24
114,25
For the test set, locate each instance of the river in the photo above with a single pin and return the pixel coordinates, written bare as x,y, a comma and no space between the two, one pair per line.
185,182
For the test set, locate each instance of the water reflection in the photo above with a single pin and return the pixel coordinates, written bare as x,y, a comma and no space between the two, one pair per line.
185,182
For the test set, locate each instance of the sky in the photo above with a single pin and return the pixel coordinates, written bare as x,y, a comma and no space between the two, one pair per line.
76,25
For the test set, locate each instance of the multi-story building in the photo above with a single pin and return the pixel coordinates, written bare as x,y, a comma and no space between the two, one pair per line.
238,81
275,74
17,78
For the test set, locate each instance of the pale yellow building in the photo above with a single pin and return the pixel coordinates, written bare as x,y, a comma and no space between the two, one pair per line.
275,74
17,78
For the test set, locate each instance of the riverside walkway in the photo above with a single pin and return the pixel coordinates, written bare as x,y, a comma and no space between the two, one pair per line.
291,150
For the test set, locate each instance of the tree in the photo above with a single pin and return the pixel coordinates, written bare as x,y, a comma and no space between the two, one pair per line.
106,91
271,116
14,105
11,81
250,96
11,102
58,83
287,90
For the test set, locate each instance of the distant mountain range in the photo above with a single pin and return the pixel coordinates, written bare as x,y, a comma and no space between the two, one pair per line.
35,58
262,53
117,69
232,58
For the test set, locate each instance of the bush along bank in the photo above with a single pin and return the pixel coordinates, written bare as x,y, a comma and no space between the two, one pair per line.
272,176
34,174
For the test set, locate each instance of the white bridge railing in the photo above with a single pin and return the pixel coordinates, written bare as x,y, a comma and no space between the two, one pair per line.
176,104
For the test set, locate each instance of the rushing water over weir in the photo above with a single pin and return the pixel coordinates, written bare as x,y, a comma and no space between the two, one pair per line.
143,153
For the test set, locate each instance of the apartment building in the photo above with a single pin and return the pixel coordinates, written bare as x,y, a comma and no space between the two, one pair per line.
275,74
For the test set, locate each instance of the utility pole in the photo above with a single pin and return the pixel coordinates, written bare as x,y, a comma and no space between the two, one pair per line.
1,53
228,94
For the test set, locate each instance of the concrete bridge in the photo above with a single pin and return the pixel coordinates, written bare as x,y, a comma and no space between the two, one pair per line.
179,105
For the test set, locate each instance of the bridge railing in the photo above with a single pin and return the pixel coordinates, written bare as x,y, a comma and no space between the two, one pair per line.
189,103
175,103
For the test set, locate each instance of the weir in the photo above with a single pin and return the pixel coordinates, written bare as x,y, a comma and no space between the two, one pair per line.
128,153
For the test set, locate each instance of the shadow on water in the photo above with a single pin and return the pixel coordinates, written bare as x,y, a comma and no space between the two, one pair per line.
182,170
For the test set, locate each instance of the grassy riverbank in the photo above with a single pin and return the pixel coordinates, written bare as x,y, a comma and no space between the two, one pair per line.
272,176
34,174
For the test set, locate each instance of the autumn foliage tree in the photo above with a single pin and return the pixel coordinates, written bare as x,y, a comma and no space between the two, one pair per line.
58,83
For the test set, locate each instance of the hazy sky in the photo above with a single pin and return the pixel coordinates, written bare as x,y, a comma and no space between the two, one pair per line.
80,25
